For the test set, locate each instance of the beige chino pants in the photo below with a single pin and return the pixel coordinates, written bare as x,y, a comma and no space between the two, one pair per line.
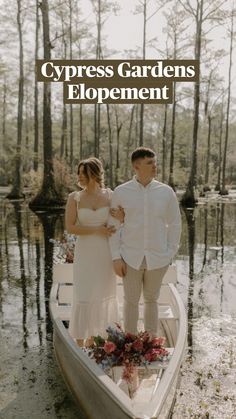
136,281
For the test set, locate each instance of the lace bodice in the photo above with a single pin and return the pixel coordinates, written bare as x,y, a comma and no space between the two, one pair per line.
90,217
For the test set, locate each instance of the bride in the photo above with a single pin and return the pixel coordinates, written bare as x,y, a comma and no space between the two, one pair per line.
94,304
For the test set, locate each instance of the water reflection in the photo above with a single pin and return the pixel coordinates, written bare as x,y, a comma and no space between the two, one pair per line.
206,259
205,237
190,218
37,280
48,222
19,233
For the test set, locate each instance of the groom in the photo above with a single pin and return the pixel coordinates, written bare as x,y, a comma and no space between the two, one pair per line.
144,245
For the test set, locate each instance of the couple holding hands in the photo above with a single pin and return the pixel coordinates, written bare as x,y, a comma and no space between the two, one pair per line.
133,232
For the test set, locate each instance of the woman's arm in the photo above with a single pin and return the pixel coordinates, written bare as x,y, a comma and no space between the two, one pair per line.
117,213
72,228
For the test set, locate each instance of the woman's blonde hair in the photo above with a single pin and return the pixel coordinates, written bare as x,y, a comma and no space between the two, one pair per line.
93,168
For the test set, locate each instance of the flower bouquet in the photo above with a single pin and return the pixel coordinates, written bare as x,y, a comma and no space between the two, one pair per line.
65,248
127,350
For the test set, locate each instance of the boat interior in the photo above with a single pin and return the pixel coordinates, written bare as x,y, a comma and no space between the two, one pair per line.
148,378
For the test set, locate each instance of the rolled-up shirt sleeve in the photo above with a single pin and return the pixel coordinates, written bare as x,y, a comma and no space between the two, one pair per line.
114,239
173,218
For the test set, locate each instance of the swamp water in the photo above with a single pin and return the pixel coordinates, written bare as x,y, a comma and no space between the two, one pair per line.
31,386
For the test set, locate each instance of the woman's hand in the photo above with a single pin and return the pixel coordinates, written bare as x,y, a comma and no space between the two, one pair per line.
106,230
118,213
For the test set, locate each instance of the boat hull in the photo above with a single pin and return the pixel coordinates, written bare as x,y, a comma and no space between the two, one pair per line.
95,392
85,384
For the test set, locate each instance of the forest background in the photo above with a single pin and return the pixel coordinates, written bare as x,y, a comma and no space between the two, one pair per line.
42,140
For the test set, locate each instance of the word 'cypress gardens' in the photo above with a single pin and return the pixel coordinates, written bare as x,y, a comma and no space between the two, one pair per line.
116,81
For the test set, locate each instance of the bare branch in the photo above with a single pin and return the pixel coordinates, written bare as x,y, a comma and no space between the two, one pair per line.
188,9
191,8
211,12
154,13
59,36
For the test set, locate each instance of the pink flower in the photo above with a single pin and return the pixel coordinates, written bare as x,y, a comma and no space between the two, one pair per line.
109,347
138,345
158,341
128,373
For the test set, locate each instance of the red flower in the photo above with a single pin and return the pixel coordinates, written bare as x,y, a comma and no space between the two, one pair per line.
109,347
138,345
153,354
129,336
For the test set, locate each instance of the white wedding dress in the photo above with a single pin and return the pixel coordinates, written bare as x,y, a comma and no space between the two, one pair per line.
94,291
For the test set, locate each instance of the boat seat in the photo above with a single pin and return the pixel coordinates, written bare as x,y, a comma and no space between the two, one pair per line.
63,273
64,311
147,387
148,384
64,298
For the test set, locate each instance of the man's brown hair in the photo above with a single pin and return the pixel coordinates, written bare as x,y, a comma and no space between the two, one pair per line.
141,153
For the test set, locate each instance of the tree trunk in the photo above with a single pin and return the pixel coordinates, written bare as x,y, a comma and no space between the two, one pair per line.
4,109
64,138
164,144
17,190
129,142
189,199
71,138
71,106
223,190
144,56
110,147
172,145
81,131
3,138
118,129
95,130
64,128
47,196
136,127
97,106
26,152
36,122
217,187
206,186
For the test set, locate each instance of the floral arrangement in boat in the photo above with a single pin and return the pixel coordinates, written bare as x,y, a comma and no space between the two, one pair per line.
127,350
64,248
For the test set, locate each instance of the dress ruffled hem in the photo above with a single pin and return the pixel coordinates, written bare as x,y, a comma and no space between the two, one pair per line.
93,318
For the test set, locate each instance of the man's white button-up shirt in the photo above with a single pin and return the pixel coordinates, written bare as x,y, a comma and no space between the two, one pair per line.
152,224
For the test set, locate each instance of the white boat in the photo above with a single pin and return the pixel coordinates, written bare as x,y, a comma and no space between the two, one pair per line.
96,392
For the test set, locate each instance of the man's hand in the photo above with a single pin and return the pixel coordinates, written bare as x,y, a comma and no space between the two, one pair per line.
118,213
119,267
